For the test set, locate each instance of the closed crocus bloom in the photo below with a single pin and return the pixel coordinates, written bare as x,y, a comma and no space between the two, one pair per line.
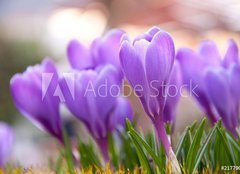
33,94
173,94
219,91
207,69
102,51
96,102
6,138
147,64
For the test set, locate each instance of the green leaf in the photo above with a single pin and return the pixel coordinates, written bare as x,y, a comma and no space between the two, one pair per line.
227,145
181,142
68,153
88,156
142,156
111,149
191,156
204,147
141,141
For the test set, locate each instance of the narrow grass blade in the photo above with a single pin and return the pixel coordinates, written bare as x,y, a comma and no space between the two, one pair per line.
68,153
228,147
204,147
191,156
142,157
111,148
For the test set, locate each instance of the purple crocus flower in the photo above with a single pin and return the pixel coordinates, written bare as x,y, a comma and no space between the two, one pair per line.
102,51
94,99
217,80
173,94
33,94
6,138
147,64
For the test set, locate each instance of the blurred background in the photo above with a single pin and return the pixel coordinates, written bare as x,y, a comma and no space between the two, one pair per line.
33,29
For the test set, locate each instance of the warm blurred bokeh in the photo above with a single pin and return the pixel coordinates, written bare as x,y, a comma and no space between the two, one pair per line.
33,29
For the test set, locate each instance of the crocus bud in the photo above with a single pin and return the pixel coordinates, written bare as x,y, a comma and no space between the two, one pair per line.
6,138
33,93
147,64
96,101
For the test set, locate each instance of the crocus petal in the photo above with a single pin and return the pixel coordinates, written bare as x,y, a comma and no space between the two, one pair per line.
78,55
209,52
231,55
111,40
159,57
129,59
6,139
216,81
107,90
234,73
75,86
173,93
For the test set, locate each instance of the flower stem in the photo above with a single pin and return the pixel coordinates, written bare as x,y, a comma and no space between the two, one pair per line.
161,134
103,146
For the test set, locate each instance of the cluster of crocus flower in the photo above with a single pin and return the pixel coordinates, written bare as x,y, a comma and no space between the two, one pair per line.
91,91
93,94
217,79
6,138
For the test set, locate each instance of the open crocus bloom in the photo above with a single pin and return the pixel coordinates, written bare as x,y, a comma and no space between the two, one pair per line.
33,94
6,138
147,64
96,101
102,51
217,80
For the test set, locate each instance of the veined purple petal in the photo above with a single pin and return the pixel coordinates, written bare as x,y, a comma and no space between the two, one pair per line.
217,85
131,62
79,55
37,104
159,58
6,139
231,55
209,52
